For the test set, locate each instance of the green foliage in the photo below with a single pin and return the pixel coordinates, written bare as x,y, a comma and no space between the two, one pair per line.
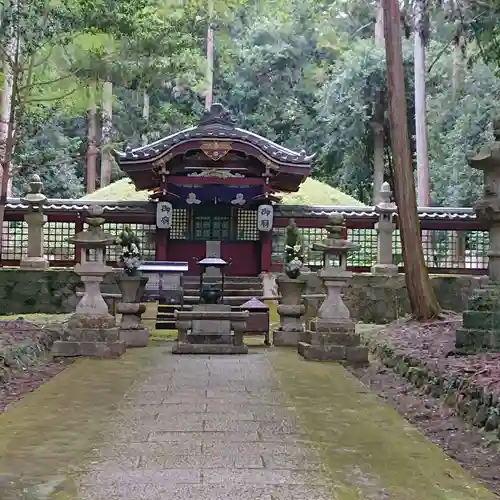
294,251
303,73
130,257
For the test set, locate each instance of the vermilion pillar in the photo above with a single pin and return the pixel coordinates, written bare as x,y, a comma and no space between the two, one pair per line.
265,251
161,244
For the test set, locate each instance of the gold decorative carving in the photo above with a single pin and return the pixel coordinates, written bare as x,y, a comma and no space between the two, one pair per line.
216,150
162,161
268,163
216,172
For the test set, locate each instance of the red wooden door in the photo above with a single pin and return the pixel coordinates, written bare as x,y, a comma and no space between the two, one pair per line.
244,255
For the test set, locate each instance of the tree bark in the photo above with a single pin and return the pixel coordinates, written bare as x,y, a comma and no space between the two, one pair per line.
210,57
420,107
145,116
107,126
92,129
421,294
378,117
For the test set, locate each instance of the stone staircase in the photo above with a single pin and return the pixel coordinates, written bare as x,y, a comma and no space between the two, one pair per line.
237,290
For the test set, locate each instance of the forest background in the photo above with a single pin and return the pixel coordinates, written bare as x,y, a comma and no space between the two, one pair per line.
82,77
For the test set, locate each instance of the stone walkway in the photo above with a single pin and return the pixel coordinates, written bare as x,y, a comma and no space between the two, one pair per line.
207,429
265,426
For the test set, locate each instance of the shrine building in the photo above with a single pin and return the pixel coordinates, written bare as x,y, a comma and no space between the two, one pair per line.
215,186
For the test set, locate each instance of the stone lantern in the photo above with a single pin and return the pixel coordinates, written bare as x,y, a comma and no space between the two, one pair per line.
481,320
36,219
91,331
385,228
332,336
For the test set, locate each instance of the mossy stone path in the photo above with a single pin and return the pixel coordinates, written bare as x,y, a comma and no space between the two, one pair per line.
267,426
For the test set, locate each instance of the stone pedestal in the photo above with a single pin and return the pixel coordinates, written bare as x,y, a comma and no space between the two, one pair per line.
211,329
91,331
132,331
481,322
290,311
90,335
332,336
35,259
385,229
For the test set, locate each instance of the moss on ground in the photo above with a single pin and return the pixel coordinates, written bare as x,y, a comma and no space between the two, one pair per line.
48,436
369,451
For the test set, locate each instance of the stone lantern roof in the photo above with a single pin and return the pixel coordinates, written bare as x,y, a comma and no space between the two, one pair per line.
334,243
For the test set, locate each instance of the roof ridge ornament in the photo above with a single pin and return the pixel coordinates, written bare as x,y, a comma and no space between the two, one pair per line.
218,115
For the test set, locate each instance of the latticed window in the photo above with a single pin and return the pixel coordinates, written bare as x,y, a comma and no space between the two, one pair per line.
145,233
447,249
247,229
367,239
14,240
179,229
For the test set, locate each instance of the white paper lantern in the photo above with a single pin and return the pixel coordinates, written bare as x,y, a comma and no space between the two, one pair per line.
265,215
163,215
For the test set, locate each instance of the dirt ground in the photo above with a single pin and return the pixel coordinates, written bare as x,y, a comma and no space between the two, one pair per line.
475,450
25,381
24,362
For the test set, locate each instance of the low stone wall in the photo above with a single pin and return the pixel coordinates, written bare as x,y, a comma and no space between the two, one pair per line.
371,299
47,292
379,299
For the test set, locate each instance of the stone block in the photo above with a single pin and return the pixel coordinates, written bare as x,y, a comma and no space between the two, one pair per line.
320,353
184,348
356,354
471,340
92,334
487,320
134,337
64,348
334,338
283,338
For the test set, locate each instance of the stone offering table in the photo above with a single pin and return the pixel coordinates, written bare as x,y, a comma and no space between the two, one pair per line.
332,336
91,331
211,329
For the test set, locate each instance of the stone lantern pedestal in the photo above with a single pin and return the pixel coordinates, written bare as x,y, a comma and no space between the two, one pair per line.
481,320
332,335
91,330
132,330
290,311
385,229
35,259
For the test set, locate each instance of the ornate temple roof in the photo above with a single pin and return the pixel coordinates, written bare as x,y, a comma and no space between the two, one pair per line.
215,135
216,124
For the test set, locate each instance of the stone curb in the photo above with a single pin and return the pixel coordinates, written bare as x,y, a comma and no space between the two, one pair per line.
476,405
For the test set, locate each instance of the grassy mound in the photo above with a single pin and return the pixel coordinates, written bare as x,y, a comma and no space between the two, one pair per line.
312,192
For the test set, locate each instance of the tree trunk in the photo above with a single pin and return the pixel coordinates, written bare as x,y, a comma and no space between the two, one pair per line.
107,126
421,294
11,62
378,118
420,106
145,116
92,150
210,57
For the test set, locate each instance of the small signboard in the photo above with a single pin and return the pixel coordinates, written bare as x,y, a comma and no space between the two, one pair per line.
163,215
265,214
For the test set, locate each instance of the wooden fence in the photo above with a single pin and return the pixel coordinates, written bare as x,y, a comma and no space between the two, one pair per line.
454,240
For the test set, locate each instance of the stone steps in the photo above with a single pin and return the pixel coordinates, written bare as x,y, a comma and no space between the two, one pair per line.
237,291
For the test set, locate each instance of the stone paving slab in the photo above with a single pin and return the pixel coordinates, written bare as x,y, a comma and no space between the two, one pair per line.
203,428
